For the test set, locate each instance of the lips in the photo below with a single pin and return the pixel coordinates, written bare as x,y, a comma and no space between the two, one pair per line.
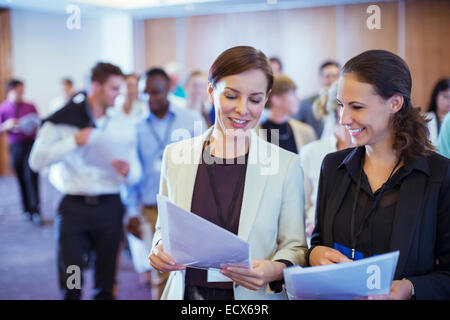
239,123
355,132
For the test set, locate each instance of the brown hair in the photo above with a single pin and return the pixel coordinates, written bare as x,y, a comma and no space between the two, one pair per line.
281,85
389,75
102,71
237,60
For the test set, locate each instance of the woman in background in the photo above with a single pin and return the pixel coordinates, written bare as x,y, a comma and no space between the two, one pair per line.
439,106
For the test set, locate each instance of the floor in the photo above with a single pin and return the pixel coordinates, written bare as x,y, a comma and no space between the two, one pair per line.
28,251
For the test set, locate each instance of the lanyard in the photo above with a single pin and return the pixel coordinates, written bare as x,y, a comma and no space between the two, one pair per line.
213,186
372,210
162,143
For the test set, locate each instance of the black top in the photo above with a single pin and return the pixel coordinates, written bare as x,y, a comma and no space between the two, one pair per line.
286,136
375,237
226,173
420,229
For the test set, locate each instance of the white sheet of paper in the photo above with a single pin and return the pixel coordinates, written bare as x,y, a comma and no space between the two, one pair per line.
194,241
103,147
139,254
342,281
29,123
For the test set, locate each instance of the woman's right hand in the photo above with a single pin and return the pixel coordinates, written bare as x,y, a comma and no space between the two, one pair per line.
321,255
163,262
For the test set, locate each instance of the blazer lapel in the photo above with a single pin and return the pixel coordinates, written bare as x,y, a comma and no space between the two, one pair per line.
254,186
188,172
409,207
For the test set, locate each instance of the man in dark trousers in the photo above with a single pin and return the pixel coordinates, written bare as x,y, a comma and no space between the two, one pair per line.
20,121
79,142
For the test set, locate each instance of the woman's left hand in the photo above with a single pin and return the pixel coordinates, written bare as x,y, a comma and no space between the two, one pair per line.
262,273
400,290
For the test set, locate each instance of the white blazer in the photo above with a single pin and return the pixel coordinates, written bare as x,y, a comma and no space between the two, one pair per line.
272,214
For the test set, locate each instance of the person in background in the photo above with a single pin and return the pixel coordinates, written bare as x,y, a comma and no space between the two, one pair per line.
20,121
391,192
197,94
437,109
283,103
177,96
67,93
128,102
80,143
222,178
313,153
444,137
328,73
166,123
277,66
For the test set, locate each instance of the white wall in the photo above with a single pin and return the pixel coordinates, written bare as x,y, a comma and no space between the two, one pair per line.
44,50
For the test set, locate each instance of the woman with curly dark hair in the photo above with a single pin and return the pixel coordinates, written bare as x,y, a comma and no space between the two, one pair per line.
391,192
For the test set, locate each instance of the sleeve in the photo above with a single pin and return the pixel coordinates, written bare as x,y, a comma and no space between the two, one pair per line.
291,237
316,239
135,173
436,284
50,147
163,190
130,194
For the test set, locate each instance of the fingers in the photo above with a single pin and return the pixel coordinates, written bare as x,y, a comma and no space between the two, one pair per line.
163,262
249,278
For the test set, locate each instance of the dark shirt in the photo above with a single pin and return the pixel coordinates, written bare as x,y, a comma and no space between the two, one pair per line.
226,174
9,110
286,136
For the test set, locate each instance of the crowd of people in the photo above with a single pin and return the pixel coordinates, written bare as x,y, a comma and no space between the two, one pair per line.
358,171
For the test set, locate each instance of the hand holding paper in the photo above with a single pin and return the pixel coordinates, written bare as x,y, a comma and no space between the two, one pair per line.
194,241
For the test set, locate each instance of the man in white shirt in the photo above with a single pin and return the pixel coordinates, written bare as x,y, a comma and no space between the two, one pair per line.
92,153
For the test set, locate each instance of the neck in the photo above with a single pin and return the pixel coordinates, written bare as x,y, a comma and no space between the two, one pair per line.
97,109
162,112
381,154
278,117
227,146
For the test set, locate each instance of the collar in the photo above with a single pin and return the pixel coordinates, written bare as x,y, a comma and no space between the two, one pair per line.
352,162
171,112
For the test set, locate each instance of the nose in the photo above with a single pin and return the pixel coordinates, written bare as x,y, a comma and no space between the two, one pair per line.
345,117
241,107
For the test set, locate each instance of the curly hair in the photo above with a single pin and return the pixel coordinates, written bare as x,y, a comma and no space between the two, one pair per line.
389,75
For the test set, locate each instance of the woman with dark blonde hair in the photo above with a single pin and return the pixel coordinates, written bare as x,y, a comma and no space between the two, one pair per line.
246,185
391,192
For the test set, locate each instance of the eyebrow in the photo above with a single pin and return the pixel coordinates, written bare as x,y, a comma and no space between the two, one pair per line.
351,102
237,91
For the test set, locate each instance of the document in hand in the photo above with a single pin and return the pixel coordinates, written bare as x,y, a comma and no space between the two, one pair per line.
29,123
194,241
342,281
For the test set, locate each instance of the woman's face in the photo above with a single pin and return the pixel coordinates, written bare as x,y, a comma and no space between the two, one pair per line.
288,103
363,112
443,102
239,100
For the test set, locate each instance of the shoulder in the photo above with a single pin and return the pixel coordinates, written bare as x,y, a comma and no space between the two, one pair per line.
301,126
439,165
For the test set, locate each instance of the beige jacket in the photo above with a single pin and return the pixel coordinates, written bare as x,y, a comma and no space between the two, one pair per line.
272,213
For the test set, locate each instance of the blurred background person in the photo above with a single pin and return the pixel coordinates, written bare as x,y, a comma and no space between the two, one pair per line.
197,94
328,73
277,66
20,121
90,215
444,137
154,133
283,103
313,153
128,102
438,108
67,92
177,96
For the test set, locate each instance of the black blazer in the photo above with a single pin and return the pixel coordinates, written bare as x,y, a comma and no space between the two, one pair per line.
421,230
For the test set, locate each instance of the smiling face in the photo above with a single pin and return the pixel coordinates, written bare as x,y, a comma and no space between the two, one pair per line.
364,113
239,100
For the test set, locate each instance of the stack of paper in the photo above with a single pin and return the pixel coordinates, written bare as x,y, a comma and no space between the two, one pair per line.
194,241
370,276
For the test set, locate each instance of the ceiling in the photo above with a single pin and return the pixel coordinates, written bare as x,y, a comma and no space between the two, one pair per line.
170,8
